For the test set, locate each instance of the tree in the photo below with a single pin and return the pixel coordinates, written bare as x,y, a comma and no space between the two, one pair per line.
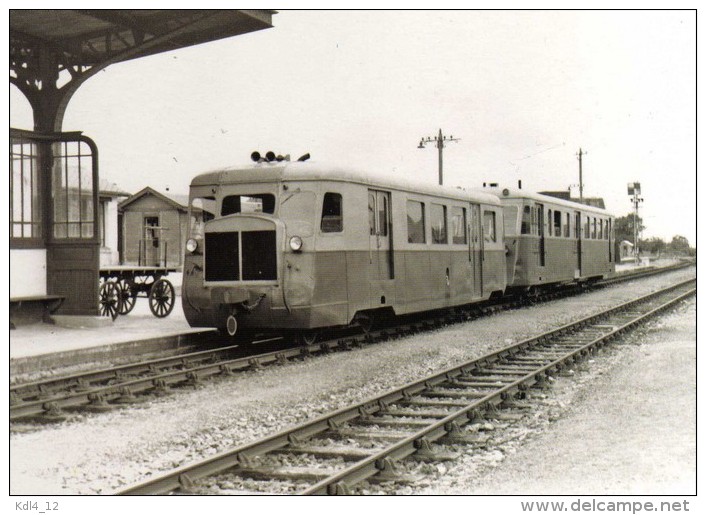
680,245
653,245
624,228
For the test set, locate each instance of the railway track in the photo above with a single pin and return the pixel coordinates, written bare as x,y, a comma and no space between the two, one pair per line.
103,390
363,442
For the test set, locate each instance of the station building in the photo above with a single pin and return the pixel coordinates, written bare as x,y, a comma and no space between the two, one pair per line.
55,223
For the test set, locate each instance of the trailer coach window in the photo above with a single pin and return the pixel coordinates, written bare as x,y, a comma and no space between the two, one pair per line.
416,230
332,213
458,225
557,223
264,203
438,224
489,226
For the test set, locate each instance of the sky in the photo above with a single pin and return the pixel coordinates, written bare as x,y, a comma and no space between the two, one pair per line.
522,90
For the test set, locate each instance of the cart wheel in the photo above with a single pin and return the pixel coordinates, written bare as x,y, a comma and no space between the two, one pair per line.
161,298
128,296
109,302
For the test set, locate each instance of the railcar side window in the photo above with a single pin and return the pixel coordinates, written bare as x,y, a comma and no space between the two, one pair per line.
549,231
600,229
415,222
264,203
587,231
593,232
332,213
382,213
489,226
557,223
566,225
526,220
438,223
201,211
458,225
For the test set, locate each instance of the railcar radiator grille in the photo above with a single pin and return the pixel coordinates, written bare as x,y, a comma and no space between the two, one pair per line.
225,250
222,256
259,256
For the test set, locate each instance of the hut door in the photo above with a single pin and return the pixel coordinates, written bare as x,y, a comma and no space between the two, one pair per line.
151,241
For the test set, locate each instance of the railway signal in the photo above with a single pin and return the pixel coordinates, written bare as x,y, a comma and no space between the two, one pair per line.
635,190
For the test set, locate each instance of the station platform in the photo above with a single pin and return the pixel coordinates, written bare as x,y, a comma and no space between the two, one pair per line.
42,348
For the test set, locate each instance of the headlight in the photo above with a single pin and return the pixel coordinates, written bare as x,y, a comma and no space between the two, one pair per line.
191,245
295,243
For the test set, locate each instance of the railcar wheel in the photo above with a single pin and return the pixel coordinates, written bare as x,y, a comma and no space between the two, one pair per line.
161,298
366,322
307,337
128,296
109,300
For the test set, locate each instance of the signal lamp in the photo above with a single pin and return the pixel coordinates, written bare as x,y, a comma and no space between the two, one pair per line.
270,156
255,156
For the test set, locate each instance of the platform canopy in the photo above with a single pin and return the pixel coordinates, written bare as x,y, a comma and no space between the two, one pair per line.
48,44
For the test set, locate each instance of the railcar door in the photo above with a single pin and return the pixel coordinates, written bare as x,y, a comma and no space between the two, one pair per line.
540,223
475,250
382,270
578,251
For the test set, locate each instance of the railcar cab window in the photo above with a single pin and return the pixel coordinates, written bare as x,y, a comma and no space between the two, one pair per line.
438,224
458,225
510,214
416,231
232,204
201,210
489,226
332,213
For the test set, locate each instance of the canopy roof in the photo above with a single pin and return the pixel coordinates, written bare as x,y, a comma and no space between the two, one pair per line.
90,37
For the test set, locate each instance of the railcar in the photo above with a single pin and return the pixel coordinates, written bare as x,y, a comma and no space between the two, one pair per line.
551,241
300,246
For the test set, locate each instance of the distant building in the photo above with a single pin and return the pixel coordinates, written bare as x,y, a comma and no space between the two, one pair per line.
566,195
109,196
154,228
627,250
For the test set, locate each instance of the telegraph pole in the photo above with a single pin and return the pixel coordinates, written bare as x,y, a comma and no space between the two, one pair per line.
440,141
580,154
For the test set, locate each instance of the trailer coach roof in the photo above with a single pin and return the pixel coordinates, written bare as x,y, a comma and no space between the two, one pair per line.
513,193
314,171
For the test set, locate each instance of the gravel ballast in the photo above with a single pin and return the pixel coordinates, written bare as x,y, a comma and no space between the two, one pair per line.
98,453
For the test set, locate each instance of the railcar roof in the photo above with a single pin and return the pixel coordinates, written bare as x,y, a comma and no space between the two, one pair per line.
314,171
544,199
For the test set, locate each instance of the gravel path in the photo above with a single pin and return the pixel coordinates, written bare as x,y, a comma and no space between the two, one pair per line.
100,453
627,425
